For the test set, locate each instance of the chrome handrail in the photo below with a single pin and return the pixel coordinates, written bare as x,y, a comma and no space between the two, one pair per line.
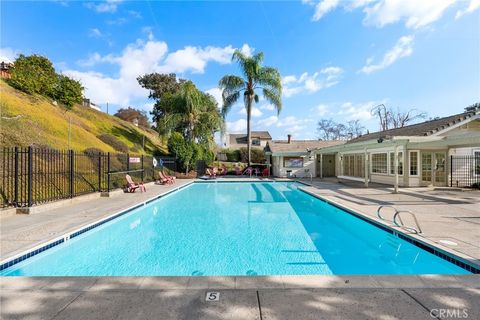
402,225
380,216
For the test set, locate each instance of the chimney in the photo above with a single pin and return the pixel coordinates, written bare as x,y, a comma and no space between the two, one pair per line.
289,138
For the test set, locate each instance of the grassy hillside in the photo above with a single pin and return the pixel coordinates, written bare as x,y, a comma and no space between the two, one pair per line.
33,120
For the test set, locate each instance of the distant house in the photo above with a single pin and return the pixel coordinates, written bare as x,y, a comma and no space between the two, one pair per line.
439,152
296,158
87,103
235,141
5,67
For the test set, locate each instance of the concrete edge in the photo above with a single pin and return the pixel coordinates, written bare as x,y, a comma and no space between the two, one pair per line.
240,282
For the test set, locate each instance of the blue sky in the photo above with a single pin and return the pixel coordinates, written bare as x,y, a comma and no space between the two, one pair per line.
337,58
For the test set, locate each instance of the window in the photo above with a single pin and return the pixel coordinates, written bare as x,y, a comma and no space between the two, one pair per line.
392,162
476,154
414,163
293,162
353,165
400,163
379,163
255,142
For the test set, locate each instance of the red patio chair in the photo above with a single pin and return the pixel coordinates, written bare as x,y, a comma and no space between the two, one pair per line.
132,186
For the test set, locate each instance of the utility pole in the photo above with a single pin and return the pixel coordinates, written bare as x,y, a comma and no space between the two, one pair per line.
69,130
143,142
107,107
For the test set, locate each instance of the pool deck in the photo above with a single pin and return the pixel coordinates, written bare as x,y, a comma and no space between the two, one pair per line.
443,215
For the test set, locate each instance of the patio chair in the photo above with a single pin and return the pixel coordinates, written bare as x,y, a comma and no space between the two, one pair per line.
212,172
248,171
164,179
223,171
266,172
238,171
132,186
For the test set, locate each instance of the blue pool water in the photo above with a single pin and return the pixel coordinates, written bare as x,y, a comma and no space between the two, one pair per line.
234,229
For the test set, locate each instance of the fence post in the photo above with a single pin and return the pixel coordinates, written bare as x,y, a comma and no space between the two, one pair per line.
142,167
153,169
108,172
100,172
30,174
16,177
72,168
451,171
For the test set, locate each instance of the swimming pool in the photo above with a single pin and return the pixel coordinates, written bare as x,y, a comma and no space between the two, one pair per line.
258,228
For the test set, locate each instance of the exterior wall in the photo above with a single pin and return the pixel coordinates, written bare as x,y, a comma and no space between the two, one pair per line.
280,171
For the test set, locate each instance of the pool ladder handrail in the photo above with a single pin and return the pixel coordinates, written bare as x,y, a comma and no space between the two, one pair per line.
397,219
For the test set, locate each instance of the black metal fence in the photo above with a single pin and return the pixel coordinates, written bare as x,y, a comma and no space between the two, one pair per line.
465,171
32,176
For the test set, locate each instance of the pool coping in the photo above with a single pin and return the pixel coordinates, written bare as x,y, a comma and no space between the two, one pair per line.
19,257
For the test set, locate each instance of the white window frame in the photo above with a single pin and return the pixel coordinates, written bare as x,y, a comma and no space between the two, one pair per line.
473,155
371,163
418,163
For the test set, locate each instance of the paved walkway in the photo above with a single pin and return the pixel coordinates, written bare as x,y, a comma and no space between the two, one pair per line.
185,298
23,231
449,219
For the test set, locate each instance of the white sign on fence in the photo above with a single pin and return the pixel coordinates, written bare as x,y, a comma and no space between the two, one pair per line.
134,160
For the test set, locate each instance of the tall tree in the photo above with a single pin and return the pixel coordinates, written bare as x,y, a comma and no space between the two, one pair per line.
392,119
254,77
130,114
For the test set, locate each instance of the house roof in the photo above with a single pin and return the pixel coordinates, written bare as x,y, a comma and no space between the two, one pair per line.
298,146
241,138
420,129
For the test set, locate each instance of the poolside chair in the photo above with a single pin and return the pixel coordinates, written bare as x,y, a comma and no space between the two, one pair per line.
165,179
248,171
266,172
132,186
223,171
238,171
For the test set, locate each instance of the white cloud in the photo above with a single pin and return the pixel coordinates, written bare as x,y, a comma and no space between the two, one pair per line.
237,126
267,122
403,48
140,58
255,112
8,54
324,7
415,13
324,78
321,110
472,6
107,6
217,94
95,33
247,50
267,107
358,111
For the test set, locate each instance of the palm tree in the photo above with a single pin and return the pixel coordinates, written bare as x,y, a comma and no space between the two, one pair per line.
255,77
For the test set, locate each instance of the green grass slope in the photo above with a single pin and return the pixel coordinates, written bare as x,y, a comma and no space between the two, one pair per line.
32,120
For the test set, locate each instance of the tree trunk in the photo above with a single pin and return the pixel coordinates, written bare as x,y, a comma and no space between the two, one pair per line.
249,133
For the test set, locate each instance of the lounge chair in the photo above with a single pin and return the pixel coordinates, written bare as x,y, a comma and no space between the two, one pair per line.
238,171
165,179
223,171
212,173
132,186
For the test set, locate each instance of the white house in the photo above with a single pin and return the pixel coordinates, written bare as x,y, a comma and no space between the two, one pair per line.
296,158
423,154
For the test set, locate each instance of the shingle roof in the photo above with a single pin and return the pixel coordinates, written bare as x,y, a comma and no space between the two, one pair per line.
282,146
420,129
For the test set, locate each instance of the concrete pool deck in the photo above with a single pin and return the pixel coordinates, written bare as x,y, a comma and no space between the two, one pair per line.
443,215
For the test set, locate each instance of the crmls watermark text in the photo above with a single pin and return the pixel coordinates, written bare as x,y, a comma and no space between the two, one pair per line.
449,313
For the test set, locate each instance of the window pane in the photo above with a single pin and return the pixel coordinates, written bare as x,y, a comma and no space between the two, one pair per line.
379,163
413,163
392,162
400,163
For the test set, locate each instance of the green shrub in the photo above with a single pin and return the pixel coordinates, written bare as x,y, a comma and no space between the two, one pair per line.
113,142
34,74
68,91
92,151
257,155
233,155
